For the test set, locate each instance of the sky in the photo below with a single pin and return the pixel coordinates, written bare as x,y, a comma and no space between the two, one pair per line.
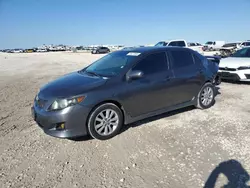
31,23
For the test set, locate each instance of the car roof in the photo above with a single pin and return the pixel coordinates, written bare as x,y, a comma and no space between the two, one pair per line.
151,49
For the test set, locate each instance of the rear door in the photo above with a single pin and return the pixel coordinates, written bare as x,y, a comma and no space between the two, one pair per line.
153,91
188,75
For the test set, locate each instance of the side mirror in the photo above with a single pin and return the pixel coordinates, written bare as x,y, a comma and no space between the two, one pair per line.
134,75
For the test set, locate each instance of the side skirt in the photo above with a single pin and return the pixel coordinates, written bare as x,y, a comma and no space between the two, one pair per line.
129,119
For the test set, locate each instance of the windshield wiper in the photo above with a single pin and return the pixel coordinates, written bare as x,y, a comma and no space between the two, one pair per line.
93,73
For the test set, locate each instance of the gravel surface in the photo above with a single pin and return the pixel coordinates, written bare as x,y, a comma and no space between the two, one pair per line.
177,149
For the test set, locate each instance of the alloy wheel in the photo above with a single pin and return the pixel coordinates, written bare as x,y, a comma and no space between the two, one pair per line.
207,96
106,122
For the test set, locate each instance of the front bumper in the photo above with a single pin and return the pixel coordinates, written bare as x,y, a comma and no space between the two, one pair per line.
74,119
238,75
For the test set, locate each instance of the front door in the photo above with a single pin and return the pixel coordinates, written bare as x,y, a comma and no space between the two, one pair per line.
152,91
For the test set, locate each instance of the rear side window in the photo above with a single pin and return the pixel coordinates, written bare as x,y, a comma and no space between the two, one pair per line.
197,60
181,58
153,63
177,43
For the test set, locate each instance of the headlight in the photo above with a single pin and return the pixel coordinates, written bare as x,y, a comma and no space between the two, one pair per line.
36,98
60,104
244,68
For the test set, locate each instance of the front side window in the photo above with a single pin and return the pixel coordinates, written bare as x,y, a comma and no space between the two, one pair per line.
153,63
181,58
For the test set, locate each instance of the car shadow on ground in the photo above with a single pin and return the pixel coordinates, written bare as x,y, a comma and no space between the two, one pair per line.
147,120
236,82
217,91
237,176
81,138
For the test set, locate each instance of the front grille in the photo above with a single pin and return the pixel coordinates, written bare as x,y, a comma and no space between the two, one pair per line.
227,69
247,76
230,76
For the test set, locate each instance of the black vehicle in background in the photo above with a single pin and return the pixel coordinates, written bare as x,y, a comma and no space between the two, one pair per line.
100,50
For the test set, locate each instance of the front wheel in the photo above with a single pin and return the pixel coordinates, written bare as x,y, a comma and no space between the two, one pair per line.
206,96
105,121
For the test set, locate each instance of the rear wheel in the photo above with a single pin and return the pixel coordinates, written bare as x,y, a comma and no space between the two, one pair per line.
206,96
105,121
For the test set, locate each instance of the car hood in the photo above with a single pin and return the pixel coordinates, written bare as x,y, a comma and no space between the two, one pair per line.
70,85
234,62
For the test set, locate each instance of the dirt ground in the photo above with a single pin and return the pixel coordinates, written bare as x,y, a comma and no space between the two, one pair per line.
177,149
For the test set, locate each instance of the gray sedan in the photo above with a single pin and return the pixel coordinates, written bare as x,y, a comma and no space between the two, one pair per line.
123,87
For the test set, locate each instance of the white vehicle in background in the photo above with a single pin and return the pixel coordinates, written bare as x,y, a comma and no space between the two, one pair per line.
244,44
214,45
41,50
229,48
16,51
182,43
237,66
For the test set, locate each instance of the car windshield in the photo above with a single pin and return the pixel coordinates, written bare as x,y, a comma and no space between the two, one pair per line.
209,42
229,45
112,64
161,44
245,52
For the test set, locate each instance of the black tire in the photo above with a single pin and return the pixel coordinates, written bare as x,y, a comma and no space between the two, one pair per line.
94,114
200,105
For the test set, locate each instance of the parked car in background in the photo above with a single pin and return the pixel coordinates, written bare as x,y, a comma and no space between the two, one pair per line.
29,50
41,50
100,50
213,45
244,44
236,67
16,51
182,43
123,87
228,49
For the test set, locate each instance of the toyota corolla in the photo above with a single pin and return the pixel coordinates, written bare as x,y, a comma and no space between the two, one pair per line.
123,87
